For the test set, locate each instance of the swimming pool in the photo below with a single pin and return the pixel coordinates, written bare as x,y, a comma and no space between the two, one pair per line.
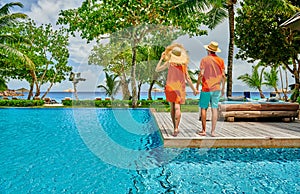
120,151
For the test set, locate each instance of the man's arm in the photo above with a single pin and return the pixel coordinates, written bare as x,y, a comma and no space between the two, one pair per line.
199,80
223,80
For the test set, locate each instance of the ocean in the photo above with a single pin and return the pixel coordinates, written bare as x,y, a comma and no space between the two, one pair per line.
59,96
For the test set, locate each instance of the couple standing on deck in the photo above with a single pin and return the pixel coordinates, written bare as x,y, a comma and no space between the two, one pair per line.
211,76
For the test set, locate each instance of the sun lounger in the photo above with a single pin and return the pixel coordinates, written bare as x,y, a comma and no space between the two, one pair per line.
47,100
279,110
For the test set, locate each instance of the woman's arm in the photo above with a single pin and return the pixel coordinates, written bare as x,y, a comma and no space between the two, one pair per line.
189,81
160,67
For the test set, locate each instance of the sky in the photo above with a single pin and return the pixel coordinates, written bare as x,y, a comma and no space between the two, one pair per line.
46,11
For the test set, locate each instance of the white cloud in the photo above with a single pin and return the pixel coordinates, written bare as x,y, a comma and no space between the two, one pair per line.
79,50
93,77
46,11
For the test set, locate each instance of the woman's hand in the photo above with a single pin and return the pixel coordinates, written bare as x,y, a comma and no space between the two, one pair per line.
160,67
163,54
196,92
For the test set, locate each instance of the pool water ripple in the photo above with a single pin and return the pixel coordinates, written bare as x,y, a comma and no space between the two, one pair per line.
43,151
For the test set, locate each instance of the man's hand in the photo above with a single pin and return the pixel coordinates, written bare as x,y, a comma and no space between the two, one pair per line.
222,92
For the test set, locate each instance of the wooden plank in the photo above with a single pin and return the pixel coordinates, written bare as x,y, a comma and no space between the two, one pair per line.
232,131
259,107
237,134
234,143
276,128
259,114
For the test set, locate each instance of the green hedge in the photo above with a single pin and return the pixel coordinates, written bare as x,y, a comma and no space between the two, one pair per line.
191,102
21,103
123,103
87,103
109,103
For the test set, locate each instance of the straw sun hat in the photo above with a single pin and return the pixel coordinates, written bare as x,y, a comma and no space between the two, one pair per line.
176,53
213,46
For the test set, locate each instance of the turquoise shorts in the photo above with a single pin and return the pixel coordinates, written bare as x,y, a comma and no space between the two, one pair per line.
211,98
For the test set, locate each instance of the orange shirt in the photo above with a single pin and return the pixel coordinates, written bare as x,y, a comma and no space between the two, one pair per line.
212,67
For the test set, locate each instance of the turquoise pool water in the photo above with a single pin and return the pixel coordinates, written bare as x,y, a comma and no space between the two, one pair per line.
120,151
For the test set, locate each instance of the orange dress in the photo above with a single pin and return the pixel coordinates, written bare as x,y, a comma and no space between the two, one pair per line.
175,86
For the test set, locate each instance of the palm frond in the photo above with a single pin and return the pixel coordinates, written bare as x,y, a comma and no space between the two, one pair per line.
7,50
7,37
103,87
216,15
189,6
192,74
6,19
4,10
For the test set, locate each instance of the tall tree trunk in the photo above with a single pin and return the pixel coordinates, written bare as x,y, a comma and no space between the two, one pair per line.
286,85
139,90
261,93
47,91
133,81
231,46
38,89
281,80
296,73
33,75
51,84
150,89
30,93
124,84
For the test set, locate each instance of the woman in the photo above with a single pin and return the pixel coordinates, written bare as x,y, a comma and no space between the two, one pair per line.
176,61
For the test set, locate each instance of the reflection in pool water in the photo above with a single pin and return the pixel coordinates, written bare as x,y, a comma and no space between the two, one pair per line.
58,150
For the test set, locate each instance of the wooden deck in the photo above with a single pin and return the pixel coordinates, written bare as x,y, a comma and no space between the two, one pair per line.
242,134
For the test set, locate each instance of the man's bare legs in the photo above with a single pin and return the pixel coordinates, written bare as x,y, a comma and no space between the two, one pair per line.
175,115
203,121
214,117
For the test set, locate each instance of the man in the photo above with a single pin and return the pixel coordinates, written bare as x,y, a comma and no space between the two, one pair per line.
212,76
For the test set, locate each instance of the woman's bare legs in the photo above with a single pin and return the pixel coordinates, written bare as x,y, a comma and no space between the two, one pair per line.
175,115
172,111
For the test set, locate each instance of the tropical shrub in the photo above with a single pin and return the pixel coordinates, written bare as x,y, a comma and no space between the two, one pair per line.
192,102
21,103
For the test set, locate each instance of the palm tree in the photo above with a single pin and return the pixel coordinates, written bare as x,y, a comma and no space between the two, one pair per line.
7,20
254,80
271,78
230,8
219,10
284,90
112,85
224,9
